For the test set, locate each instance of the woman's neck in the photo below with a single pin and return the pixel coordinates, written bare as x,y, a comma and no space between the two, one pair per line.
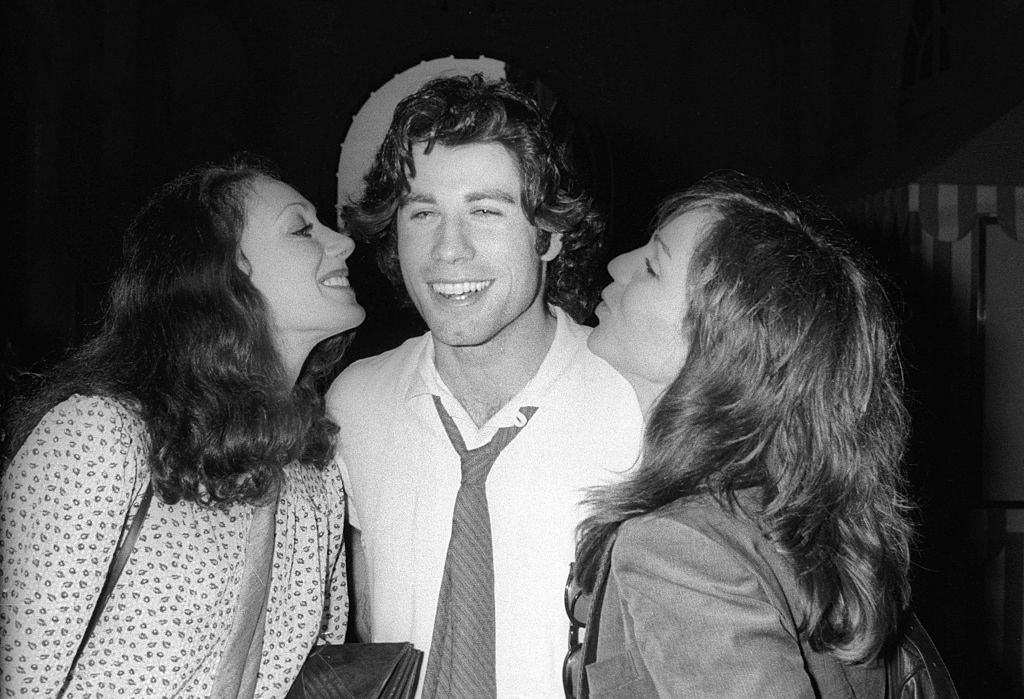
293,355
647,394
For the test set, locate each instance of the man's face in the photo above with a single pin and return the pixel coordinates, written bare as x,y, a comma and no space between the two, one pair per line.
466,248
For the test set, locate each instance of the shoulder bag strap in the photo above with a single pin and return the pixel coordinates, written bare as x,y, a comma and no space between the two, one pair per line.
121,555
914,668
594,618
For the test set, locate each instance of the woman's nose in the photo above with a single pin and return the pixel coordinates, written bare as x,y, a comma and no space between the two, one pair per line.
617,266
338,244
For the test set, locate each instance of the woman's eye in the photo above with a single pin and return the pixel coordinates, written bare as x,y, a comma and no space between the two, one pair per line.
420,215
487,212
304,232
650,270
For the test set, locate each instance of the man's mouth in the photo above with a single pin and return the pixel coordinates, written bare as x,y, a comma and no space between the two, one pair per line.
459,291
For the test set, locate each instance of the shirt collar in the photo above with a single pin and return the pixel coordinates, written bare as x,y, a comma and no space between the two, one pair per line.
426,381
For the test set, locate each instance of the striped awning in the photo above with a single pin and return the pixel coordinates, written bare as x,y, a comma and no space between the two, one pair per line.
948,212
966,278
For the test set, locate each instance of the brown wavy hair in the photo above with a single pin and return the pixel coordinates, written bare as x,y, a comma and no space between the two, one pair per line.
186,343
792,385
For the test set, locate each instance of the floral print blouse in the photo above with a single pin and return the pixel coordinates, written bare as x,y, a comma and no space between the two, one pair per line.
66,498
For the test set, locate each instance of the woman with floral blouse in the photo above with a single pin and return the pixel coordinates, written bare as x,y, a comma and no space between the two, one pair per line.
203,387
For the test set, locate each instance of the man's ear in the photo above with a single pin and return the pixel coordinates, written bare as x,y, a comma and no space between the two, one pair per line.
242,263
554,247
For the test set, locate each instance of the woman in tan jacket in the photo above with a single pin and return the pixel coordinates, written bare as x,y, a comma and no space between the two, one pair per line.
761,546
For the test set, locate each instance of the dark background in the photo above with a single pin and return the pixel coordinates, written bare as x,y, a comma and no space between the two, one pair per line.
106,100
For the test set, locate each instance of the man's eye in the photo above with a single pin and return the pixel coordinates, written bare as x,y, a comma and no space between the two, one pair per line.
420,215
650,270
487,212
304,232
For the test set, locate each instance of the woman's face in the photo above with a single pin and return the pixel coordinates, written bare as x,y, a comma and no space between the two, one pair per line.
298,265
641,314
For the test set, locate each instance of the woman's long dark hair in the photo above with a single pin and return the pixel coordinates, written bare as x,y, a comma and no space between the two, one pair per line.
792,384
186,344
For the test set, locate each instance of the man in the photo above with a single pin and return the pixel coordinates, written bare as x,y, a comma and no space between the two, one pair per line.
468,201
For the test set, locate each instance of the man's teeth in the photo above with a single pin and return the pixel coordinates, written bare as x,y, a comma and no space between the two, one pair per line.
335,281
456,289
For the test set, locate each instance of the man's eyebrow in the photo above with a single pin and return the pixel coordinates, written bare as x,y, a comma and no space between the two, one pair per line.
415,198
494,193
663,246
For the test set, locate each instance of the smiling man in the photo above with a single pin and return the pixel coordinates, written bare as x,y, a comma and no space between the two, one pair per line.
467,450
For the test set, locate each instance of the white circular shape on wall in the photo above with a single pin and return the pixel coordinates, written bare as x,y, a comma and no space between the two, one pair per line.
371,122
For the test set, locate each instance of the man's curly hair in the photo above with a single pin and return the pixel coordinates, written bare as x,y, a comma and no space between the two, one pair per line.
461,110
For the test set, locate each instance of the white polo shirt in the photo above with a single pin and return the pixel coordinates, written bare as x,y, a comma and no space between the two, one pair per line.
402,475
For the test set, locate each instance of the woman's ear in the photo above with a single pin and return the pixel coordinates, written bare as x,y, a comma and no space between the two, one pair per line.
554,247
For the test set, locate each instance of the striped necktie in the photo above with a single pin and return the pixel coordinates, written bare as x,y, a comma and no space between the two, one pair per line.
461,664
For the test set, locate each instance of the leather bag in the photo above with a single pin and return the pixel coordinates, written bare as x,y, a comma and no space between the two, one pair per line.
359,671
914,668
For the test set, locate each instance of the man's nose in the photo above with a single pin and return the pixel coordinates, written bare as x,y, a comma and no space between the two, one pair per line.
452,243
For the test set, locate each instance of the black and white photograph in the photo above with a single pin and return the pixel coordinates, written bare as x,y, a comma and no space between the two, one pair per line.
460,349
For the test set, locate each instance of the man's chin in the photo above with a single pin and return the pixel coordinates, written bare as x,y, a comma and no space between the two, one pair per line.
460,337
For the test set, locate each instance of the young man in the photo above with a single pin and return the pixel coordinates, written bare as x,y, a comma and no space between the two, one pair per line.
468,449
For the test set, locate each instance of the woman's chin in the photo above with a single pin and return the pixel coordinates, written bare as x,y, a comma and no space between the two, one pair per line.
595,341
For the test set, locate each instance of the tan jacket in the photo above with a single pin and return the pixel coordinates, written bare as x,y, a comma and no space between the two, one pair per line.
699,604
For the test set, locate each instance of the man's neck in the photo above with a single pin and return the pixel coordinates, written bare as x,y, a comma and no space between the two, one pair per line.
484,378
